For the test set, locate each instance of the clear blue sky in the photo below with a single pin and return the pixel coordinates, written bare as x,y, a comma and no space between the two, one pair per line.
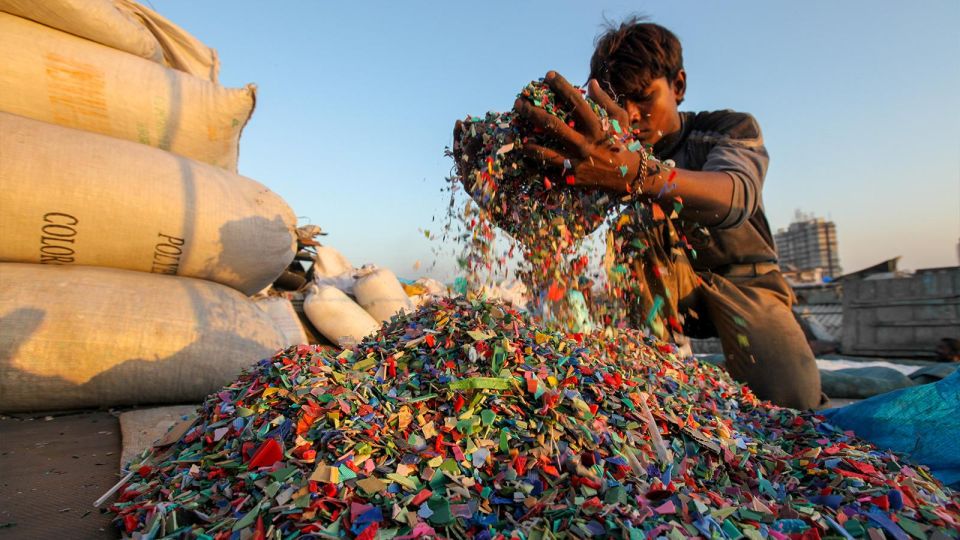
859,102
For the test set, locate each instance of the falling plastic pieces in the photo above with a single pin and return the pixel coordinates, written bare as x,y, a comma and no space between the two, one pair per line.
548,215
466,420
546,218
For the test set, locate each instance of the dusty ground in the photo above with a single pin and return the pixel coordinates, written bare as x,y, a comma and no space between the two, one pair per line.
52,470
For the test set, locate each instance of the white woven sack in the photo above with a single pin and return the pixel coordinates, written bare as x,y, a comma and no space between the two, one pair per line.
284,317
100,21
337,316
380,293
62,79
97,337
76,198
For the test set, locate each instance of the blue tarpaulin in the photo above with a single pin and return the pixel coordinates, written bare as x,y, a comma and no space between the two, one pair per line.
922,422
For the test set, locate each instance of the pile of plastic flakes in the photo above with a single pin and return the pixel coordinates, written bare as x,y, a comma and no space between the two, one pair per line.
464,420
547,216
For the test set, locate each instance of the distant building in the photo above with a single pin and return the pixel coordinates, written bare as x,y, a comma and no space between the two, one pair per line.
809,244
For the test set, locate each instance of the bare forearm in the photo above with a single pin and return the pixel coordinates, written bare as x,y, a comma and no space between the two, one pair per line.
706,195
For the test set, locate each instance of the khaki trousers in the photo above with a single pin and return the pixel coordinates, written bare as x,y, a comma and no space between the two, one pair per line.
763,345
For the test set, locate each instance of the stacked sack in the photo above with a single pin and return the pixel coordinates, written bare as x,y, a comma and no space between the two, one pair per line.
346,304
130,245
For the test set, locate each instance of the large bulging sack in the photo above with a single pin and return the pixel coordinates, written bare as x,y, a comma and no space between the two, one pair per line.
380,293
96,20
330,267
124,25
181,51
337,316
95,337
76,198
62,79
330,263
284,317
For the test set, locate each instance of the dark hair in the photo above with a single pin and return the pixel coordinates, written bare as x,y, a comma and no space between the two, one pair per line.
628,56
951,345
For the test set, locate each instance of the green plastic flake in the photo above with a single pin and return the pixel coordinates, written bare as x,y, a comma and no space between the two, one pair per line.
272,489
346,473
731,531
281,475
855,528
404,481
441,511
486,383
913,528
364,364
615,495
248,519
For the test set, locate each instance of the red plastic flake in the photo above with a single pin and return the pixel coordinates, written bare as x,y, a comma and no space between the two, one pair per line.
269,453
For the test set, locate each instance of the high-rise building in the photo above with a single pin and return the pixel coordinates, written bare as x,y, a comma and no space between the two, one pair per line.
809,243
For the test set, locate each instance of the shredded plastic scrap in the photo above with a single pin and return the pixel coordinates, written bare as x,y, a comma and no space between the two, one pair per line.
466,420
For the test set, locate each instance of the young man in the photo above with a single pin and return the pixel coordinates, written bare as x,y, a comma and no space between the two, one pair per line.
733,287
948,350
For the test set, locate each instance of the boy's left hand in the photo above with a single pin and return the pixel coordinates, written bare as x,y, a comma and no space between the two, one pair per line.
596,156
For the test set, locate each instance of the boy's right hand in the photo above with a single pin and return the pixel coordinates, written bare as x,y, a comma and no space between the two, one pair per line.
597,158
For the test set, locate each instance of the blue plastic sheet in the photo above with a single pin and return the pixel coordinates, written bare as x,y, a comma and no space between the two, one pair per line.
922,422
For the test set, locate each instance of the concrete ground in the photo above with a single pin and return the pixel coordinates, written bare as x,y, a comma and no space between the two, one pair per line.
52,468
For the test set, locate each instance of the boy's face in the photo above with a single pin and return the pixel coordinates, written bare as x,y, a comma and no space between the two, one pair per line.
943,352
653,109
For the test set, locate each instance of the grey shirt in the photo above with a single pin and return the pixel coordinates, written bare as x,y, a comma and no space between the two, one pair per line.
730,142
